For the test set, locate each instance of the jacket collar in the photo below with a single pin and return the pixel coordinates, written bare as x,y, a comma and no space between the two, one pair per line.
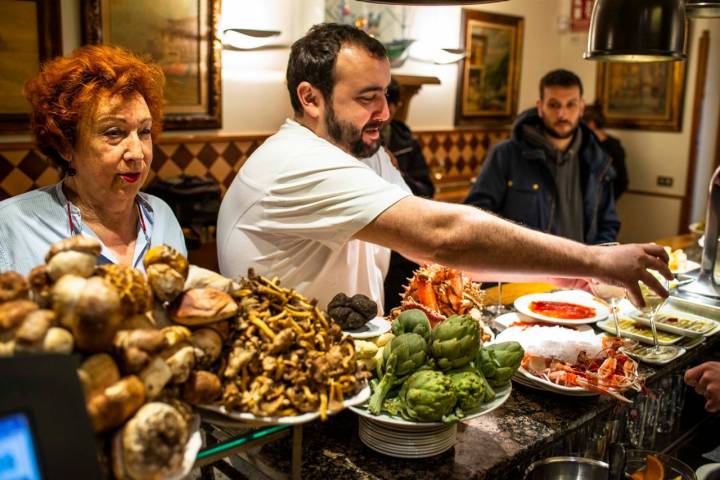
590,151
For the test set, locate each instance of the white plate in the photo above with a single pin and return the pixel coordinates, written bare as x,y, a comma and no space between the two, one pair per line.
372,434
578,297
609,326
250,419
669,311
501,395
508,319
526,378
688,266
713,331
374,328
408,442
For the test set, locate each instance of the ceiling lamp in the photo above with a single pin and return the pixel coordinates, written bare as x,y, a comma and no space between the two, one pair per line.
637,31
702,8
250,39
431,2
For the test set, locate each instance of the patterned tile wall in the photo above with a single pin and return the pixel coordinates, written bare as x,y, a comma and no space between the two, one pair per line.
454,157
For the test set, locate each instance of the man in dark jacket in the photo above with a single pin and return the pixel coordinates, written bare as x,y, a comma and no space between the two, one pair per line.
552,175
406,153
404,149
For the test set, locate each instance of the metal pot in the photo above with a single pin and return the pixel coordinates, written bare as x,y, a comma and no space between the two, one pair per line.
567,468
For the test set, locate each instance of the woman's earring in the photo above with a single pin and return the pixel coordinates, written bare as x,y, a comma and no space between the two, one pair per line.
71,172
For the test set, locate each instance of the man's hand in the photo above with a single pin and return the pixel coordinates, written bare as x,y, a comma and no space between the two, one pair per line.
705,378
625,265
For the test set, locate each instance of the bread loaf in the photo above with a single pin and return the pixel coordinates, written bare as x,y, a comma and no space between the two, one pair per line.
202,306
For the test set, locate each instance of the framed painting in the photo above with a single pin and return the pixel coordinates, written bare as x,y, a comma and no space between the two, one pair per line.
643,96
489,75
181,36
29,35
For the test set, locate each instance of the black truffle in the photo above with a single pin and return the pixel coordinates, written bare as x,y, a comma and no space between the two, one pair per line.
351,313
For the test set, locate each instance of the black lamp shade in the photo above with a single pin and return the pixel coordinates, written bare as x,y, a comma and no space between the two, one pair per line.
431,2
637,31
702,8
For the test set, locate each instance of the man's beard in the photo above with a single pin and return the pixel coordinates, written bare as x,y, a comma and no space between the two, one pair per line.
346,134
555,134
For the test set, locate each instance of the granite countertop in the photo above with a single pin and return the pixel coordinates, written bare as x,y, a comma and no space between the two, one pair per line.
530,425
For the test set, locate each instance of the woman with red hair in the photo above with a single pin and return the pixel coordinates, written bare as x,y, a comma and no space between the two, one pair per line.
95,114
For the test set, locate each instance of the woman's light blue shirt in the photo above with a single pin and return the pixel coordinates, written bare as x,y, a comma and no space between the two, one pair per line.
31,222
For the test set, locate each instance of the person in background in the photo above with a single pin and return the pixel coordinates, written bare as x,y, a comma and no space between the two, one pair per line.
320,206
705,379
551,175
595,119
402,146
94,115
407,155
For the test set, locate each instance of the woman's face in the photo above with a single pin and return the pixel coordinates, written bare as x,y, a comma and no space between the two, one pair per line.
114,149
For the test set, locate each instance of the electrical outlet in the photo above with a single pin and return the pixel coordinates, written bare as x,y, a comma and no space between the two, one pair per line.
663,181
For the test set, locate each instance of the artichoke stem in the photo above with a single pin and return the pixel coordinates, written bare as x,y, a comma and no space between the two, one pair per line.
387,381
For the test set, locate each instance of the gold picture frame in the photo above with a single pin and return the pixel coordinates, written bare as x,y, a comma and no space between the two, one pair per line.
642,96
29,35
181,36
489,76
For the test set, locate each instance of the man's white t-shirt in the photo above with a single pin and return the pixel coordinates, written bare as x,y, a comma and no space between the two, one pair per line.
293,208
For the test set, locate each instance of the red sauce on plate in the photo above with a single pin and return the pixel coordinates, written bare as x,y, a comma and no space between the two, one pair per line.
562,310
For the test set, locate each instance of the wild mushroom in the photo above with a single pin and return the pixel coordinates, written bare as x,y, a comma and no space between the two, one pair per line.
97,316
76,255
135,293
13,286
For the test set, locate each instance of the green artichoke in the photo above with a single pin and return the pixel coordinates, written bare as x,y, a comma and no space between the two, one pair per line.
469,386
498,362
412,321
455,342
488,391
428,396
405,354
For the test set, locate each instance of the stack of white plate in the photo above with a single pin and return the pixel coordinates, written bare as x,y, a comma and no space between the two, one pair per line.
397,440
398,437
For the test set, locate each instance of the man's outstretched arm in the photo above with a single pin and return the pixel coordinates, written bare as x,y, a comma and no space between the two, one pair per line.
489,247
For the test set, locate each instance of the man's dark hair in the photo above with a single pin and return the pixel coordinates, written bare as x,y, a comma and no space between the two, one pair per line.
595,114
313,57
393,92
560,78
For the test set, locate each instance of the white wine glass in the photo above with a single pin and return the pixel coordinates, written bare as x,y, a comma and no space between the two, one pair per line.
612,295
498,308
653,304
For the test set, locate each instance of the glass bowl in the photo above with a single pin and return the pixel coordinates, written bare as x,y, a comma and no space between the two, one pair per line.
674,468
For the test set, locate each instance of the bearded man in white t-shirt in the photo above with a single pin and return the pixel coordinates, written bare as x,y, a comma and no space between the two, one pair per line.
320,205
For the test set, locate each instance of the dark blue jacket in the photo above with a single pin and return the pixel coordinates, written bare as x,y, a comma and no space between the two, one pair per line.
516,183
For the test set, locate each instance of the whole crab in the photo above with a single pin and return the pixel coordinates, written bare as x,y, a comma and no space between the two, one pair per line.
440,291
